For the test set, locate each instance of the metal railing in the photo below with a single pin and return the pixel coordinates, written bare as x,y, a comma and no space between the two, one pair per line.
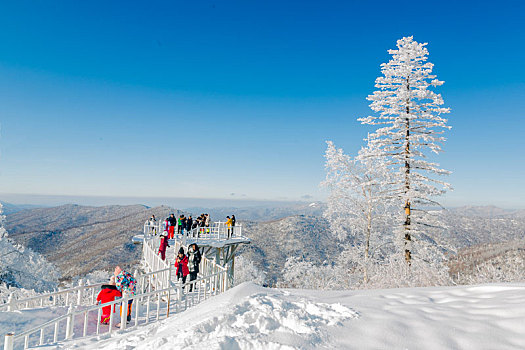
155,290
149,306
153,263
216,231
65,297
83,294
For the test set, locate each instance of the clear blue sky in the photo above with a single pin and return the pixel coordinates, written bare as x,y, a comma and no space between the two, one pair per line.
234,99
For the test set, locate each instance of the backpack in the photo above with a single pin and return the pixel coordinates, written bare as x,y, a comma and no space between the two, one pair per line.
126,282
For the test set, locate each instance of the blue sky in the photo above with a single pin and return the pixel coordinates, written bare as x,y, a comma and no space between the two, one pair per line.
234,99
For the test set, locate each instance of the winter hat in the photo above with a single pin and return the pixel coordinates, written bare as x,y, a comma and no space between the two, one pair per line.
181,250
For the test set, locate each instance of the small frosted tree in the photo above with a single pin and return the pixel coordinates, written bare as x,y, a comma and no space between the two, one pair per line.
409,126
21,267
359,198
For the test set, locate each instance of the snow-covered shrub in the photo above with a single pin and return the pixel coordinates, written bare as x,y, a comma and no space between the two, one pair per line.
99,276
396,273
508,266
21,267
299,273
246,271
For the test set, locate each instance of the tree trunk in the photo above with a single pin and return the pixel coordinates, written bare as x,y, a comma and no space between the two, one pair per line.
406,225
367,243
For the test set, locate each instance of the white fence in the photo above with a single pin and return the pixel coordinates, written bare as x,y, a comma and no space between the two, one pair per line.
147,307
83,294
159,269
71,296
216,231
157,296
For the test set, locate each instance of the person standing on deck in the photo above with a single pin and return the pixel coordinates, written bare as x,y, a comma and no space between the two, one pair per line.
181,224
153,224
207,222
233,224
173,222
202,224
194,259
189,224
229,226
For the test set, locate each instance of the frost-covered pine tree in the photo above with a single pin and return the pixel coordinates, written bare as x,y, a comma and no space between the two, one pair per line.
409,127
358,204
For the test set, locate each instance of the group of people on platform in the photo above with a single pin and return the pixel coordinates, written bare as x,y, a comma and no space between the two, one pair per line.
187,225
185,264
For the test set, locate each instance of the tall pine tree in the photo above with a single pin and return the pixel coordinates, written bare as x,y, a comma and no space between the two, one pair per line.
409,126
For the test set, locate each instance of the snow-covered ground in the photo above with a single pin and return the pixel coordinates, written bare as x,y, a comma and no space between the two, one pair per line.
253,317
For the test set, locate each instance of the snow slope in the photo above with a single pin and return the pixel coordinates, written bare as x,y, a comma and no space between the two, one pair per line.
252,317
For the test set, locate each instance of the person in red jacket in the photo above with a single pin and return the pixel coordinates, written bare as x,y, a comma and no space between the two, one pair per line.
181,264
108,293
163,245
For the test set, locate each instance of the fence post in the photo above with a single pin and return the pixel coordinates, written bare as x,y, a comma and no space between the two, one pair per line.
124,308
69,323
11,303
79,294
9,340
168,282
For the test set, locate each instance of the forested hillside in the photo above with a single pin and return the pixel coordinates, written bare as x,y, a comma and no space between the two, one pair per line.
80,239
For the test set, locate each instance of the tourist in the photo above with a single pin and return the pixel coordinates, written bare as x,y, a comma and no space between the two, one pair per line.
125,282
163,246
194,259
108,292
189,224
202,224
207,222
173,222
229,225
181,266
153,225
166,226
181,224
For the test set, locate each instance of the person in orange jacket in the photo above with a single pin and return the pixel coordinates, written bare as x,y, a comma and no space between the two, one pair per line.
109,292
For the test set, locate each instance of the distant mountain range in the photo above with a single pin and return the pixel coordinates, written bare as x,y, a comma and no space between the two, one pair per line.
81,239
488,211
9,208
261,212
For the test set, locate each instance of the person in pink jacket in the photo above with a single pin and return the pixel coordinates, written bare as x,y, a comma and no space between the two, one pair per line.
181,264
